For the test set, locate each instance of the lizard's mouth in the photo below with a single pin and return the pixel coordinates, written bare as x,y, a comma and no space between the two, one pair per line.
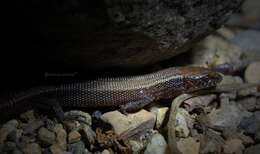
208,80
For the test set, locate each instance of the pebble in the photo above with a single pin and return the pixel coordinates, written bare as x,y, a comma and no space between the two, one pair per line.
77,148
250,91
226,97
252,73
233,134
6,129
157,145
160,113
183,123
211,142
188,146
253,149
250,9
74,136
56,149
32,126
248,103
233,146
72,125
105,152
130,125
227,116
136,146
46,136
251,125
199,102
32,148
16,151
28,116
228,79
248,41
86,151
215,50
61,136
15,135
89,134
257,104
81,116
9,146
257,136
209,147
247,140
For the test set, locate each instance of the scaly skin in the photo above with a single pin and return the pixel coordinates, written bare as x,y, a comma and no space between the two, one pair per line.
131,93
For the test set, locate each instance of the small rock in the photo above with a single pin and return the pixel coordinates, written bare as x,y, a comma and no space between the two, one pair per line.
233,146
214,50
250,91
16,151
248,41
160,113
77,148
227,116
15,135
257,136
248,103
247,140
199,102
82,116
253,149
86,151
188,146
6,129
228,79
28,139
32,148
56,149
183,123
61,136
209,147
211,142
130,125
233,134
251,124
89,134
9,146
28,116
71,125
225,97
136,146
74,136
46,136
105,152
157,145
257,104
252,73
32,126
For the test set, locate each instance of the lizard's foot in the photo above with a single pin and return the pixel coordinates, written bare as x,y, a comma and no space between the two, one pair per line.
135,106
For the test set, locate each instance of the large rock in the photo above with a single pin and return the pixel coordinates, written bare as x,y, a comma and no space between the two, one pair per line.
125,33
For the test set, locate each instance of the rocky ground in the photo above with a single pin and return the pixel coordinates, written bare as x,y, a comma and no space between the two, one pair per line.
224,121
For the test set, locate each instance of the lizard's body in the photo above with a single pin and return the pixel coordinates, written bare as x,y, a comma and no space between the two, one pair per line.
130,92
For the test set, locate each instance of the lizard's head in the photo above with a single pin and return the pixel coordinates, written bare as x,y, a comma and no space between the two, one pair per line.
196,78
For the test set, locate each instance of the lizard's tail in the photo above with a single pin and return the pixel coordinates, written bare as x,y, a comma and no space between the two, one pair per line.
20,101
